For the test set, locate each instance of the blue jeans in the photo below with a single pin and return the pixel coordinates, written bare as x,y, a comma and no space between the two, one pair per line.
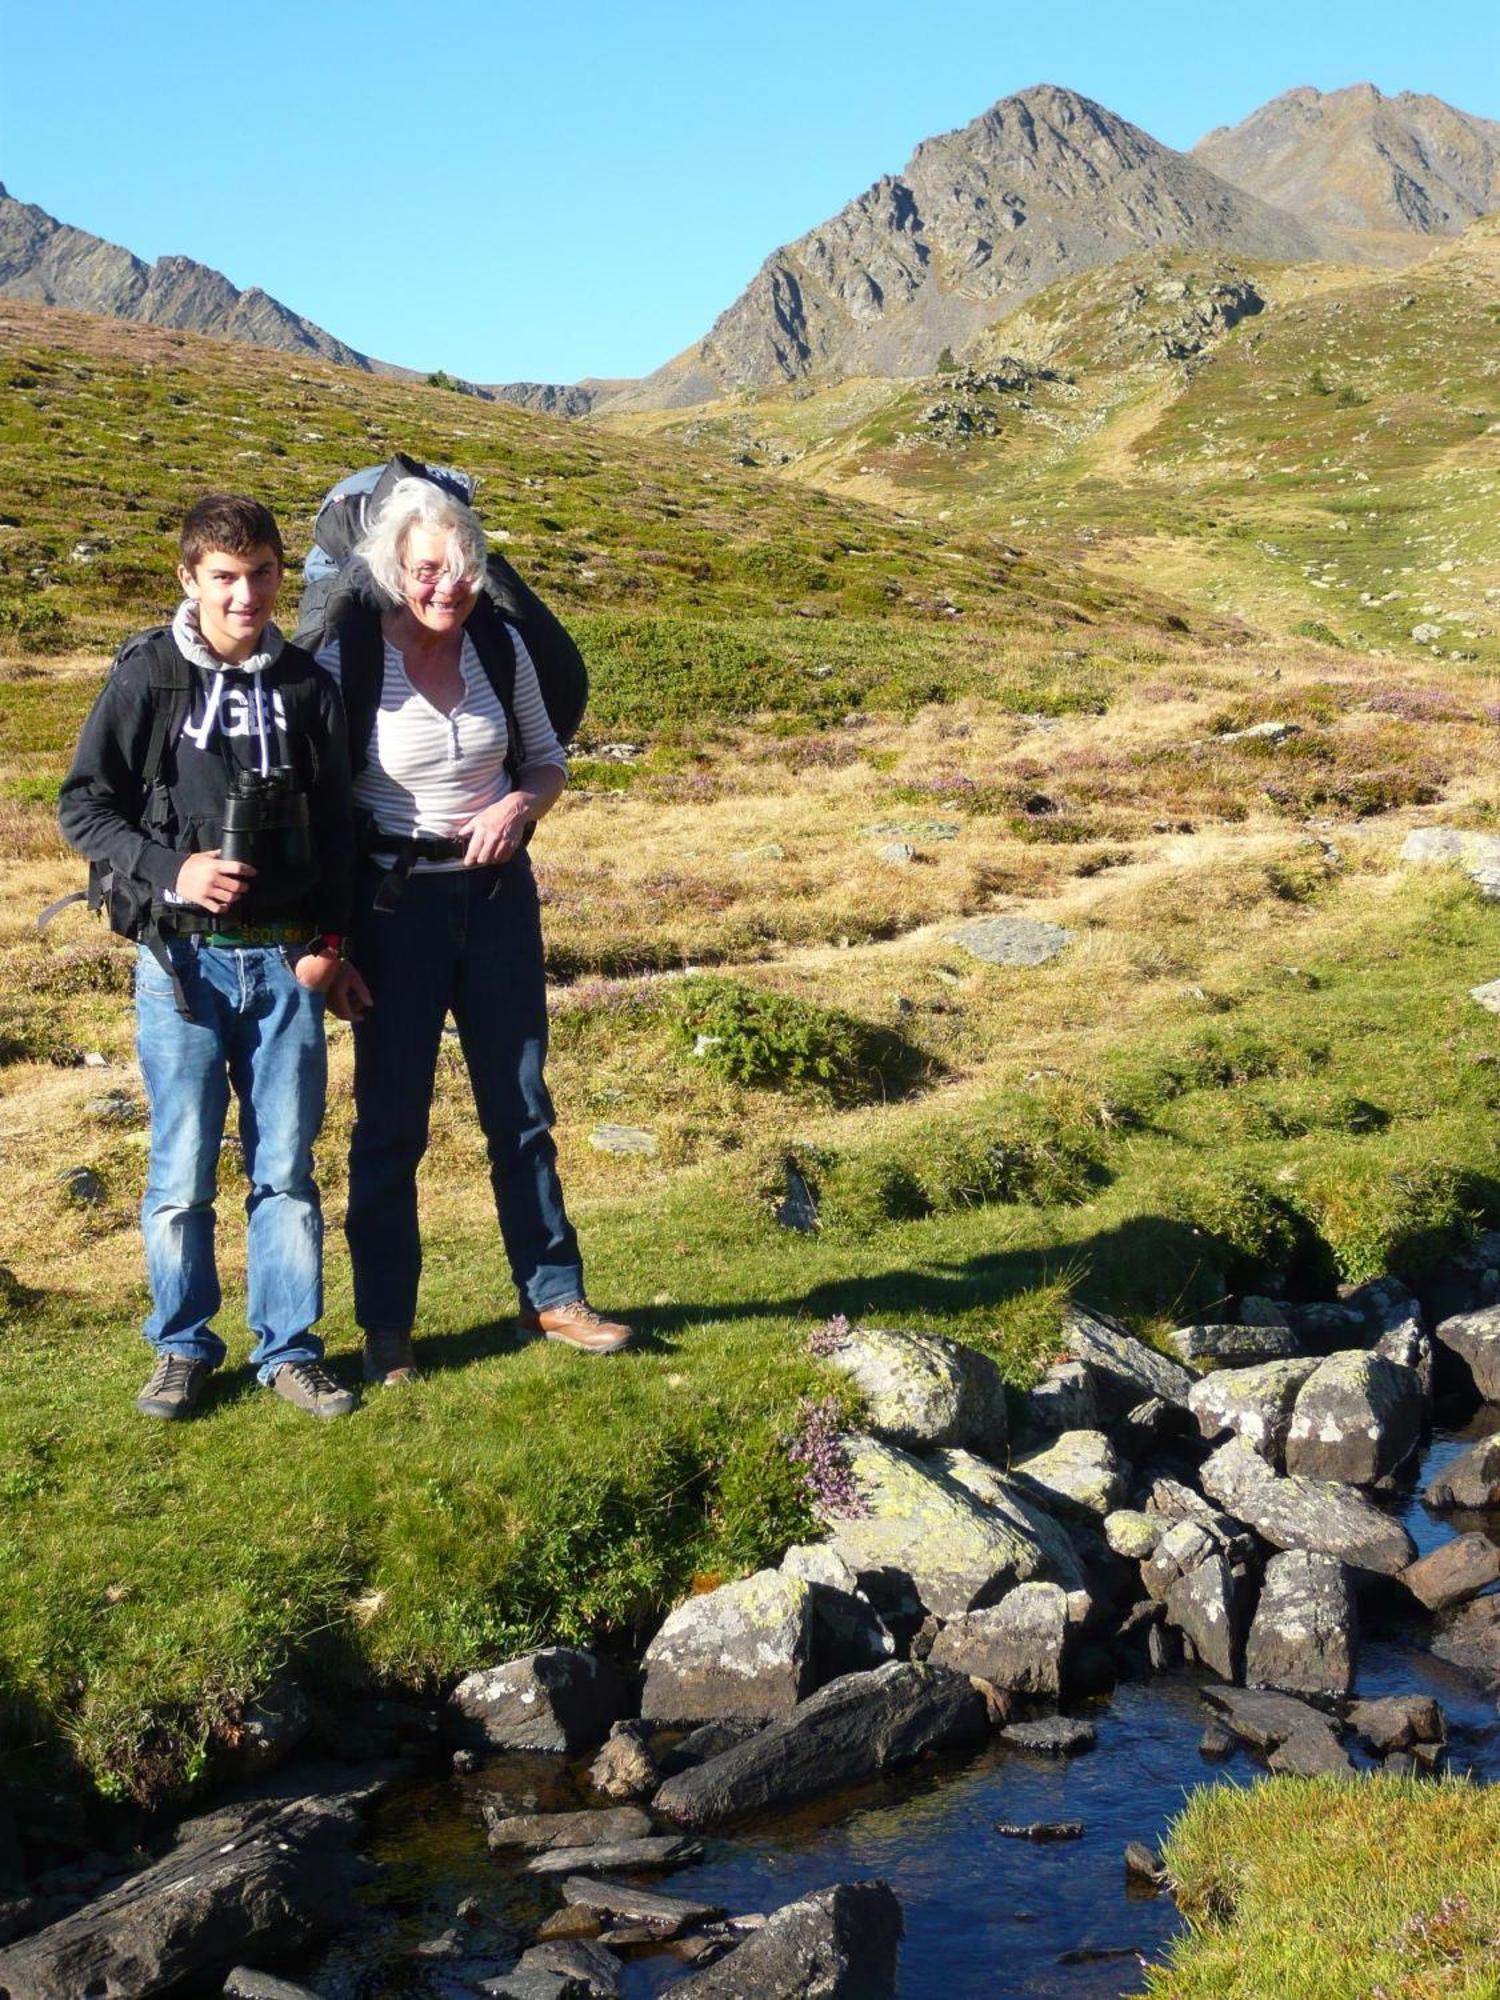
255,1028
467,941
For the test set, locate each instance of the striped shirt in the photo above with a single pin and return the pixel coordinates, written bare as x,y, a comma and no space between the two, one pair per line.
427,772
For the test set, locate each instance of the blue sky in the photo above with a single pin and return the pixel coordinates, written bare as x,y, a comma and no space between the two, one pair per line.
578,189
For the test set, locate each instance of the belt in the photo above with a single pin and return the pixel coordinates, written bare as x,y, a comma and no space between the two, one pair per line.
248,936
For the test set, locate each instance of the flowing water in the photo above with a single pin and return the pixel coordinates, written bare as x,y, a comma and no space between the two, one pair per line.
987,1917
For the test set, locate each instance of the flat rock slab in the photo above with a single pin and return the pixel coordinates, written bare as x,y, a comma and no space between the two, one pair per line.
1357,1417
1124,1370
596,1970
1080,1474
1011,940
1254,1403
922,1391
1051,1735
840,1944
663,1851
1472,1480
558,1699
1458,1570
1019,1644
745,1649
1305,1632
1234,1346
622,1139
1469,1636
1295,1513
847,1733
536,1832
1397,1721
1304,1739
245,1983
664,1914
1475,1338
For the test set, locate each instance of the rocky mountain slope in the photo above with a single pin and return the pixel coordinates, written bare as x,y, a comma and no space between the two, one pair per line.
1356,160
1044,184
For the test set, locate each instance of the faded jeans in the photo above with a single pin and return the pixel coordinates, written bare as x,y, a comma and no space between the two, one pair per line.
255,1028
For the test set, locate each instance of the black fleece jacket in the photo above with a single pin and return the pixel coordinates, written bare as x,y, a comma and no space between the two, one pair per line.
105,813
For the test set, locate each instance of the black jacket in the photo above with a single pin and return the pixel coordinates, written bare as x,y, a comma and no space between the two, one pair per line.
104,810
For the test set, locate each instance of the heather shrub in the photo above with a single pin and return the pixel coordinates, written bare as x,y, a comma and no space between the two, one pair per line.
771,1041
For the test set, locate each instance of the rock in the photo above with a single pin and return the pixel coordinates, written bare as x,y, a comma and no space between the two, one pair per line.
1175,1502
558,1699
1051,1735
1487,995
1459,1569
1478,854
597,1971
1252,1403
652,1851
1041,1829
262,1880
1326,1323
1397,1721
625,1767
245,1983
1357,1417
922,1391
1472,1480
664,1915
1080,1474
1475,1338
840,1944
1235,1345
1063,1400
536,1832
622,1139
744,1649
1409,1347
1257,1311
1018,1645
848,1633
1216,1743
1131,1534
847,1733
1143,1864
1305,1631
1149,1425
115,1107
1276,1724
534,1984
898,853
1045,1551
1313,1754
923,1529
83,1186
1469,1636
1297,1513
1011,940
1202,1570
1124,1370
712,1740
272,1728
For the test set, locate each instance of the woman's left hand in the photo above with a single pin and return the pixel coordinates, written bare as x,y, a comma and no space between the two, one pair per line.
496,833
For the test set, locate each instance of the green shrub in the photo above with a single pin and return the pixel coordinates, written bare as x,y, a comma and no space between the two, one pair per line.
1315,629
770,1041
862,1192
1218,1058
1010,1150
1244,1219
1378,1219
32,625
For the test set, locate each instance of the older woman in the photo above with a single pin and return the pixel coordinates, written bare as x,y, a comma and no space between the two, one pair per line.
461,760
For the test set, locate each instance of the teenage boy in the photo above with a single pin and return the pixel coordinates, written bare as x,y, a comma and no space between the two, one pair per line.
236,958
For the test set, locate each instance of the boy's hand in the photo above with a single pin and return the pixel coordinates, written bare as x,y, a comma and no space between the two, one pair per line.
337,980
211,882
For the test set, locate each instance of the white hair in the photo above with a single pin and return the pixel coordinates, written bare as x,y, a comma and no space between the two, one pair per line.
417,503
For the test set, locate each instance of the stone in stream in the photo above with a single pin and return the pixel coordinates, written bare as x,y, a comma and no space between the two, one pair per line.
1295,1736
655,1851
1081,1474
532,1983
1063,1400
1459,1569
1470,1481
744,1649
711,1740
597,1972
847,1733
1357,1418
559,1699
1124,1370
536,1832
1041,1829
1143,1864
849,1635
922,1391
245,1983
1475,1338
259,1880
839,1944
1296,1513
1305,1632
625,1768
1252,1403
663,1915
1469,1636
1011,940
1203,1571
1051,1735
1397,1722
1235,1345
1019,1644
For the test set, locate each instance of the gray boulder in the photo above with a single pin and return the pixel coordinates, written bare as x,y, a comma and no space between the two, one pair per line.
1305,1631
1235,1346
1019,1644
1258,1311
1397,1722
1459,1569
923,1391
1203,1572
1046,1552
1081,1474
849,1635
1469,1636
1357,1418
1297,1513
845,1734
1124,1370
742,1650
625,1768
1409,1347
1063,1400
596,1971
1132,1534
839,1944
1475,1338
558,1699
1294,1737
1472,1480
1252,1403
1173,1501
1051,1735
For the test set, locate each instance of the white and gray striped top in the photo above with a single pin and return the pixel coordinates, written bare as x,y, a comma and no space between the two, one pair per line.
427,772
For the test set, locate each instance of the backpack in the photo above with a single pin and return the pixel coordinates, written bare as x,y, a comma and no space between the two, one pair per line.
337,588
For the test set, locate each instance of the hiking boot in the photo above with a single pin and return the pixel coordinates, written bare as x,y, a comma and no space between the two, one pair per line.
307,1385
389,1359
176,1384
577,1325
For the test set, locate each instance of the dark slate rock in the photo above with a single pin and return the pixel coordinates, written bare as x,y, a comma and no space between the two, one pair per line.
923,1391
1296,1513
1313,1753
1294,1736
1397,1722
536,1832
1019,1644
625,1768
1203,1570
661,1851
1051,1735
1216,1743
1357,1418
534,1984
1040,1830
1125,1371
743,1649
1469,1636
1459,1569
848,1633
598,1971
1143,1864
840,1944
1306,1627
244,1983
1235,1346
559,1699
845,1734
1063,1400
1471,1480
665,1915
712,1740
1475,1338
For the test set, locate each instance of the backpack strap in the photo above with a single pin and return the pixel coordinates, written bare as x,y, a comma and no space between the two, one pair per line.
497,655
361,677
170,684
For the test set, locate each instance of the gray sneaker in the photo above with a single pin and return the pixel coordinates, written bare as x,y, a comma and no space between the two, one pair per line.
307,1385
176,1384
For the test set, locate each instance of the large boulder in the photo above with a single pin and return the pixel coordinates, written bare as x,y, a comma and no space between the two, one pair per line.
923,1530
1203,1571
1252,1403
1472,1480
849,1635
923,1391
838,1944
1124,1370
1297,1513
845,1734
1475,1338
1305,1630
745,1649
1081,1474
558,1699
1019,1644
1357,1418
1469,1636
1063,1400
1234,1346
1046,1551
1397,1721
1458,1569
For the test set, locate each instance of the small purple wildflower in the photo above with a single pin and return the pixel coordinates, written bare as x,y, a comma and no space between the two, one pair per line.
826,1338
819,1449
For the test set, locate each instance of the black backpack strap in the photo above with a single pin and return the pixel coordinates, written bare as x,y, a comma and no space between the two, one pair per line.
497,655
170,682
361,677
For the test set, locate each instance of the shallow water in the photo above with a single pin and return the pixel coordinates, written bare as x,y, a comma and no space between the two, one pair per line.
987,1917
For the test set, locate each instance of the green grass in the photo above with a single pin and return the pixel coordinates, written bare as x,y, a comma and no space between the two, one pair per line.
1316,1890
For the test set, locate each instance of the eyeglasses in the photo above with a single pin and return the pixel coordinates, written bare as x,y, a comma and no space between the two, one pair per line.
427,574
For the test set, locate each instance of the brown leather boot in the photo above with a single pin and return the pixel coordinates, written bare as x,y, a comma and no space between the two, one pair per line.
577,1325
388,1358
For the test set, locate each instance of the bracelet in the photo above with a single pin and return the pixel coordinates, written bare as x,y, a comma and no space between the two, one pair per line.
331,941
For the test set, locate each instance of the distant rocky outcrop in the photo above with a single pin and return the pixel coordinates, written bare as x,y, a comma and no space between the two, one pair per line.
1354,159
557,399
